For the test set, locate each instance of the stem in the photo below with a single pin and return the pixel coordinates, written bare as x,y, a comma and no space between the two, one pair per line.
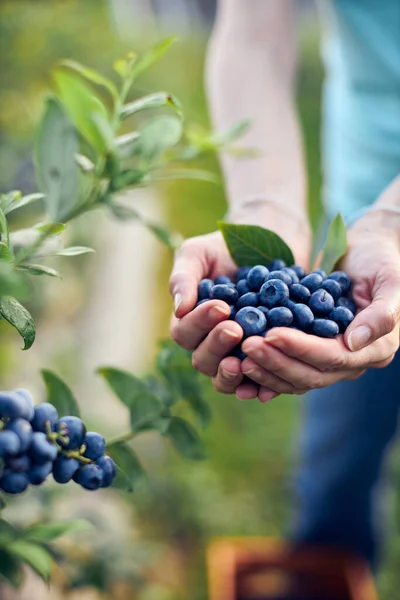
124,437
4,227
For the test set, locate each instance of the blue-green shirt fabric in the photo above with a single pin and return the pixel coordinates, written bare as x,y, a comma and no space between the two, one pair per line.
361,102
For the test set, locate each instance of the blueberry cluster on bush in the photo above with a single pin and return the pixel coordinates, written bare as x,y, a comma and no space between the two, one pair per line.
263,297
35,442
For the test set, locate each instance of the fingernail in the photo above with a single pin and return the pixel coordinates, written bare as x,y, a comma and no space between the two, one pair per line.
227,337
217,312
359,338
271,339
228,375
267,396
254,372
177,301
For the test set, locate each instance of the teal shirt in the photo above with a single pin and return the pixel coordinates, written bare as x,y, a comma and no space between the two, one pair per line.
361,102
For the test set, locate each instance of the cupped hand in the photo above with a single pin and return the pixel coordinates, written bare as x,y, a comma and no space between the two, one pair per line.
292,362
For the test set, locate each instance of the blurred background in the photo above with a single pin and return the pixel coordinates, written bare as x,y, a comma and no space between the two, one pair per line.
113,307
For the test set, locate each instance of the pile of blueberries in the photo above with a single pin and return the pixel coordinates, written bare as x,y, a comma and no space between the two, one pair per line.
279,296
35,442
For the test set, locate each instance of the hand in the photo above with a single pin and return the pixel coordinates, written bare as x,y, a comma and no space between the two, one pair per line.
292,362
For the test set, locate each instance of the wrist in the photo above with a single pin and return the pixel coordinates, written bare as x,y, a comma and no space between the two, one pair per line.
381,223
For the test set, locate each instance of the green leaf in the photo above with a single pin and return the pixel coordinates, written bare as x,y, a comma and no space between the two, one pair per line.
9,198
130,473
11,283
47,532
123,66
84,163
56,145
186,439
123,212
197,174
336,244
2,504
34,555
20,318
50,228
144,406
24,201
38,270
74,251
233,133
157,100
127,145
126,179
59,394
253,245
92,77
8,533
5,253
157,135
170,239
152,56
88,114
11,568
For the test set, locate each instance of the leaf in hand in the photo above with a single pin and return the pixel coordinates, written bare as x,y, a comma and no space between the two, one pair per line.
336,244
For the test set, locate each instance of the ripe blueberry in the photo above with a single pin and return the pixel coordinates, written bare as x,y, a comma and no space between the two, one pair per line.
38,473
347,303
107,465
89,477
95,445
279,275
250,299
242,273
321,272
343,279
256,277
238,353
277,264
204,289
292,273
280,316
233,312
72,430
44,413
252,321
312,281
300,272
274,292
325,328
264,310
226,292
64,469
302,317
41,449
222,280
242,287
342,316
299,293
10,444
18,464
14,483
333,287
23,430
27,396
321,303
15,405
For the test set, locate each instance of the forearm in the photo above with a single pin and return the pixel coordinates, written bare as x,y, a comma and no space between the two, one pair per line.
250,75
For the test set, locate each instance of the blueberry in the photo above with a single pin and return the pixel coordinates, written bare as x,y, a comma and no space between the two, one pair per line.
290,304
312,281
10,444
107,465
18,464
38,473
72,428
44,414
343,279
321,272
321,303
227,293
89,477
325,328
250,299
222,280
16,405
202,302
342,316
64,469
256,277
252,321
242,287
300,272
277,264
274,292
41,449
242,273
233,312
23,430
263,309
280,316
95,445
347,303
14,483
280,275
302,317
292,273
299,293
238,353
204,289
333,287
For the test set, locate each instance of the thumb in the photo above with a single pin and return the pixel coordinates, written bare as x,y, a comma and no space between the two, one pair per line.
377,319
188,270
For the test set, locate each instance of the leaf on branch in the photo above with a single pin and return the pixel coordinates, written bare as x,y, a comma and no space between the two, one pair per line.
126,179
50,228
158,134
11,568
92,77
336,244
233,133
196,174
24,201
34,555
186,439
127,145
60,395
152,56
74,251
84,163
253,245
9,198
157,100
38,270
5,253
18,316
47,532
130,473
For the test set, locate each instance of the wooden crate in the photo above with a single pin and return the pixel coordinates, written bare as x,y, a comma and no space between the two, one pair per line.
270,569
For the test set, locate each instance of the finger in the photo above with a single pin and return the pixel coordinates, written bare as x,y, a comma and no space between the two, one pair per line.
247,390
265,395
188,270
380,317
268,379
189,331
229,376
217,345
